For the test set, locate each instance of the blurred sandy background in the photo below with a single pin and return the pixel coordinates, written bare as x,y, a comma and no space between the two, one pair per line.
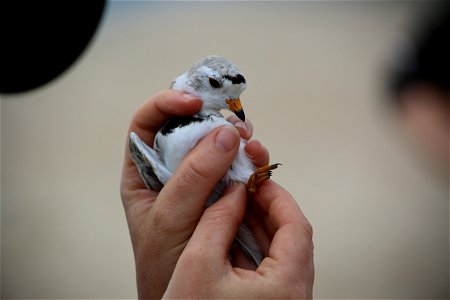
378,205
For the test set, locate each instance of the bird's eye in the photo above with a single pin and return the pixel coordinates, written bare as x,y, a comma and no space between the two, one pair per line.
214,83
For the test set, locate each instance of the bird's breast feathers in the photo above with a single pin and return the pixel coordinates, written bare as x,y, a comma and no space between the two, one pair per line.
180,135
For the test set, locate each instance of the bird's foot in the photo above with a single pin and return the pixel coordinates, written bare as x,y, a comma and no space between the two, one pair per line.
260,175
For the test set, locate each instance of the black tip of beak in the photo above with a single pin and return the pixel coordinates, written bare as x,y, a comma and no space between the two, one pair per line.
241,115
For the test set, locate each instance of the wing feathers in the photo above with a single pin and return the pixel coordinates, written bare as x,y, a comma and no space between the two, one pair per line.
148,163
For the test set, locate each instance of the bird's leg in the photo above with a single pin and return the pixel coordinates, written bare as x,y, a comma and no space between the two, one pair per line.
259,176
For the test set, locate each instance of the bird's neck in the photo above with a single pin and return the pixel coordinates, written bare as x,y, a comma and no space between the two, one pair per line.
210,112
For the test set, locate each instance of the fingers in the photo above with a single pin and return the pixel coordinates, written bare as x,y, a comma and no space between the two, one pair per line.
258,153
183,198
218,225
245,128
146,122
151,115
292,241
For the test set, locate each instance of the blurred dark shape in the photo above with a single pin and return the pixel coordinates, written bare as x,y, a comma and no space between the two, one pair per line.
41,39
420,84
427,60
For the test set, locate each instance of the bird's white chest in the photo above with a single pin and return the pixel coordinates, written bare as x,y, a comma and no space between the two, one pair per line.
174,147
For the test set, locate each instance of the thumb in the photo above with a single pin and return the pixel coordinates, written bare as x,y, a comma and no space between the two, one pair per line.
182,200
218,225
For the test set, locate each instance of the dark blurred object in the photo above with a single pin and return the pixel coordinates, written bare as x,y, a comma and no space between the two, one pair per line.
420,84
41,39
427,59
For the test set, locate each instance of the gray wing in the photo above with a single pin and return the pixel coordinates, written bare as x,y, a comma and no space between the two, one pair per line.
149,165
245,239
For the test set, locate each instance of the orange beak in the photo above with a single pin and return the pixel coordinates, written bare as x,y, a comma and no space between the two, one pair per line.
235,106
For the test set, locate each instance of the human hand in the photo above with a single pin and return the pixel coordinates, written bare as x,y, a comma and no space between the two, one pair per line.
161,223
204,270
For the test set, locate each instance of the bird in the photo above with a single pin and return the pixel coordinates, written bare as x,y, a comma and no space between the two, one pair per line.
219,84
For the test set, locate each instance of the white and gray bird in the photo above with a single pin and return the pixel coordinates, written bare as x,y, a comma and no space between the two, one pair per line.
219,84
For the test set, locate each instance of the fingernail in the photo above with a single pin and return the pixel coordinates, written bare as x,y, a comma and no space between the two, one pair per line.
189,96
227,138
241,125
257,143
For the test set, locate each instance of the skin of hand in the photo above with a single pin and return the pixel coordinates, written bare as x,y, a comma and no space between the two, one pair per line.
161,223
204,270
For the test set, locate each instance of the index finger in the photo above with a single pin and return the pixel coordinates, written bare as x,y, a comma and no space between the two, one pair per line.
151,115
245,128
292,241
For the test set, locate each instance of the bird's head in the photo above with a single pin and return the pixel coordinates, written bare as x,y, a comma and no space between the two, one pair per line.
218,82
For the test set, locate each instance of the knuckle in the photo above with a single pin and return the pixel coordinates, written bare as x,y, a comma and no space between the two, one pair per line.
158,218
308,229
219,214
214,216
161,223
306,234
